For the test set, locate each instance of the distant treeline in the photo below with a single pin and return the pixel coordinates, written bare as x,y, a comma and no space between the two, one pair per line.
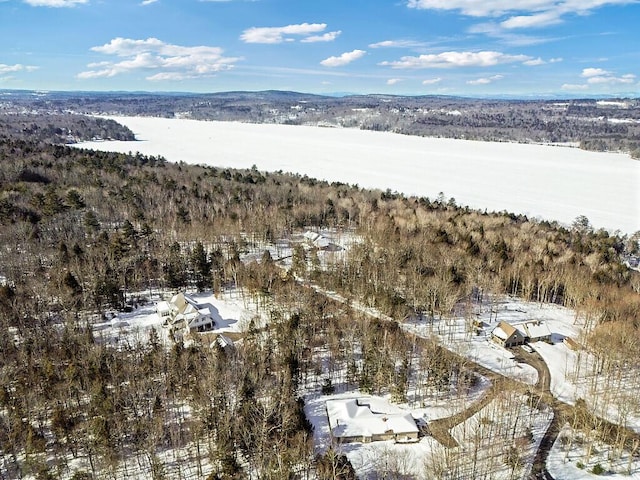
593,125
61,128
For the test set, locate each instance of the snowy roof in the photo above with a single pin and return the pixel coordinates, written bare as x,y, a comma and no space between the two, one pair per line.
504,330
316,239
321,242
163,307
311,236
364,417
536,329
500,333
224,341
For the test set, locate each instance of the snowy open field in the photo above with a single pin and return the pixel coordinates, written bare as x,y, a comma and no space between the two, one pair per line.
549,182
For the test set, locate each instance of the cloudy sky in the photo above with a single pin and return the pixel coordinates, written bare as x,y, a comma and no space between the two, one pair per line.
454,47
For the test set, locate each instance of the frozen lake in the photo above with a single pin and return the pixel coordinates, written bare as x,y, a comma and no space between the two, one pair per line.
547,182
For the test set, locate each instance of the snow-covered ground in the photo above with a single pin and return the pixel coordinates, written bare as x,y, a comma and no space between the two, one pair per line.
231,313
574,376
484,432
567,460
553,183
371,460
485,438
455,335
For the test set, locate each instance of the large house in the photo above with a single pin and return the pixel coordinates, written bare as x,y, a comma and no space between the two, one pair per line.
366,420
508,335
183,311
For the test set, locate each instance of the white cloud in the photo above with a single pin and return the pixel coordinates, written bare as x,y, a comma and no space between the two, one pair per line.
397,44
599,76
520,14
495,8
55,3
393,81
432,81
478,8
343,59
534,62
327,37
148,2
494,30
170,61
485,80
593,72
18,67
532,21
283,34
611,80
457,59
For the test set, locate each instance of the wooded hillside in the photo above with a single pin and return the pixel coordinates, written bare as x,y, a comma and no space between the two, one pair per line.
85,232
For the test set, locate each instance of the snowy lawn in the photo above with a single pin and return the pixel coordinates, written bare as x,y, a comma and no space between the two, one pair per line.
551,182
574,376
567,460
231,313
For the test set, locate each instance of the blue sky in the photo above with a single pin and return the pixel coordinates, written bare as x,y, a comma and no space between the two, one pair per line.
452,47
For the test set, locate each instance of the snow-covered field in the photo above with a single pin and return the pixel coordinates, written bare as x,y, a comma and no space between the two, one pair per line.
550,182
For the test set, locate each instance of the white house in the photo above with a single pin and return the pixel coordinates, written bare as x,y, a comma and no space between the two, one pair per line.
369,420
182,310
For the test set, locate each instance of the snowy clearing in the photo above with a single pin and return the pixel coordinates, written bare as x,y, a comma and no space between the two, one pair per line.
575,375
371,459
454,333
230,312
568,459
552,183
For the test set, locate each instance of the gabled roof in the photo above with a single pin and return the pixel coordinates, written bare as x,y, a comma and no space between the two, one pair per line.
181,307
536,329
163,307
505,330
357,418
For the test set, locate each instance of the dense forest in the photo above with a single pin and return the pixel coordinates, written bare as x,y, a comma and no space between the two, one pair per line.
85,232
62,128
